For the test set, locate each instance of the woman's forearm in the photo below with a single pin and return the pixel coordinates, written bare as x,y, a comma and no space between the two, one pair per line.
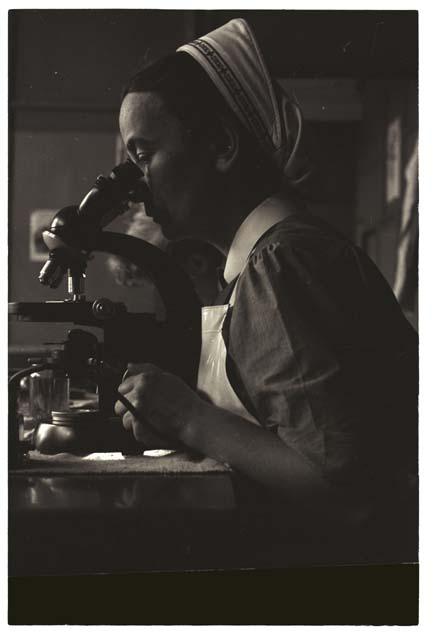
265,458
174,410
253,451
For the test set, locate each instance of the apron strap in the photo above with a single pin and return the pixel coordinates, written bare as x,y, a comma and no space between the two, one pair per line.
224,296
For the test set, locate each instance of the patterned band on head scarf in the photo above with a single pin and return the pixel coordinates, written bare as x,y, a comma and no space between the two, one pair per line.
232,59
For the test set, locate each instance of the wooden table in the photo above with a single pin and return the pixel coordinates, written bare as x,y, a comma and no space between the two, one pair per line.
71,515
76,525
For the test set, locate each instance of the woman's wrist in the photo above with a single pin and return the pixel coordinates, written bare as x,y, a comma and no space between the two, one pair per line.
194,423
218,433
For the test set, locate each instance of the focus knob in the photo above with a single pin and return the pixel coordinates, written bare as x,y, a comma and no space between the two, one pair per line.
104,309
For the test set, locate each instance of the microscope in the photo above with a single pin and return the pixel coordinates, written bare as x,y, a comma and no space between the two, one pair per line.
173,344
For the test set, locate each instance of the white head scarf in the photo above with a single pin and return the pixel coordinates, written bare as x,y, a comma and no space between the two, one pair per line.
232,59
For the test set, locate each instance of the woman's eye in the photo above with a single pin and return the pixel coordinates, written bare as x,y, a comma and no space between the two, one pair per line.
143,157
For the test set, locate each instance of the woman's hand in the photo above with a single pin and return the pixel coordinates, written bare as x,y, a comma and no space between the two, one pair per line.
161,399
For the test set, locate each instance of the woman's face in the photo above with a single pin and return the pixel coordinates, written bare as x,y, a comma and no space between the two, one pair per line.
178,168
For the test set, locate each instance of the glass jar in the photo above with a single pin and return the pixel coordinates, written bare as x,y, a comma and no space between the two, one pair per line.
48,391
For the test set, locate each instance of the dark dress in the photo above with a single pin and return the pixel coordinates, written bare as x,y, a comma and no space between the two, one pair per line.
320,352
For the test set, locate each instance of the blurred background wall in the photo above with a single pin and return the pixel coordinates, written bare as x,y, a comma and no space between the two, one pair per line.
353,72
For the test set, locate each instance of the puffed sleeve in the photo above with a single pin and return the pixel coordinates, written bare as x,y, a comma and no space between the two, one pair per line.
301,355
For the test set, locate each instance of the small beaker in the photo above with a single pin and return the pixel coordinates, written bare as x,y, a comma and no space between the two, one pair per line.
48,391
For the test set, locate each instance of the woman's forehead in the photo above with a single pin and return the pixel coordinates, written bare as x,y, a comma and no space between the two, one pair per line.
144,114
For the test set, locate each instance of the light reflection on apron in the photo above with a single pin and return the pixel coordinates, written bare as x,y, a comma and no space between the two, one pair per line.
213,383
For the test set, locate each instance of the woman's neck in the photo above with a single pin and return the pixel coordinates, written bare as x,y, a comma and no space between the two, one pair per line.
231,214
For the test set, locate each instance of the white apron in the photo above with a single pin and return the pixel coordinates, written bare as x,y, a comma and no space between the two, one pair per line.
213,383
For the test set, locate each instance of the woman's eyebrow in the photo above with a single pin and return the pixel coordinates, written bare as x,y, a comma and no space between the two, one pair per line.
133,143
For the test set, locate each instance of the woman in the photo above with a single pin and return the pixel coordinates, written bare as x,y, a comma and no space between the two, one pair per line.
307,383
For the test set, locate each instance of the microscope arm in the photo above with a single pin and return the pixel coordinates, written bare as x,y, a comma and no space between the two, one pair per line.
182,305
182,344
76,231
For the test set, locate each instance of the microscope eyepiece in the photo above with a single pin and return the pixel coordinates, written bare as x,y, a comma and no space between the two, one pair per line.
126,174
110,196
71,231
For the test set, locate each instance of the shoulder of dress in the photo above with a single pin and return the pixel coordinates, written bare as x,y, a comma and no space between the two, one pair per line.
304,246
302,234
